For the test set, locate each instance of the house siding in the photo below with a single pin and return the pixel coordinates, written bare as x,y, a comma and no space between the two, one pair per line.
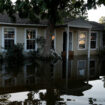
20,34
59,41
41,31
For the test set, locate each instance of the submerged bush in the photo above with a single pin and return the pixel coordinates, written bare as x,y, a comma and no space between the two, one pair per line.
15,54
101,52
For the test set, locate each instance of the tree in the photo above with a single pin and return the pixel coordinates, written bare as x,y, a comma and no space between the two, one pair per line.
102,20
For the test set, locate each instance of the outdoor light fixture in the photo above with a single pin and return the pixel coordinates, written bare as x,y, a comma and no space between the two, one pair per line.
53,37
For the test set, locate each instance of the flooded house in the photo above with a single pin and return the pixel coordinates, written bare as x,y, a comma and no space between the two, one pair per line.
78,37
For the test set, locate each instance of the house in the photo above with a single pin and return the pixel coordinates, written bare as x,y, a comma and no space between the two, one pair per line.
75,36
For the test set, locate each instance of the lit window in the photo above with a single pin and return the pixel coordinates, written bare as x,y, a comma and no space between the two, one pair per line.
82,40
9,34
30,39
93,40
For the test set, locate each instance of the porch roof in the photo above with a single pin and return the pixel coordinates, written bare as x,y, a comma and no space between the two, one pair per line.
78,23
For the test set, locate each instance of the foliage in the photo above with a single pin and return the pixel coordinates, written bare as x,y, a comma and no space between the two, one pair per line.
55,11
14,55
101,52
40,42
102,20
33,55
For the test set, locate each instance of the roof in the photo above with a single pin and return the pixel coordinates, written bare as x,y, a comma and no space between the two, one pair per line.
97,26
6,20
77,23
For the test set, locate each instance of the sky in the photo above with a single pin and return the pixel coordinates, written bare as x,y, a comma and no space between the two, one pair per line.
94,14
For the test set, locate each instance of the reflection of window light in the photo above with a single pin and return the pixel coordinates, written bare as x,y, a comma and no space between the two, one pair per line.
82,35
82,42
29,36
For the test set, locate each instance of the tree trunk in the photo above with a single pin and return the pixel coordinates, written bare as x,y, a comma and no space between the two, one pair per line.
48,40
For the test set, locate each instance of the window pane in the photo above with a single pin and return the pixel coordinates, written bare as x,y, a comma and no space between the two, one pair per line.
9,44
31,34
82,64
81,67
82,36
93,44
82,44
30,44
82,40
93,36
93,40
9,33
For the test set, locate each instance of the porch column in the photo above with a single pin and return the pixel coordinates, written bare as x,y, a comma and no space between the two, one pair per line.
89,43
67,44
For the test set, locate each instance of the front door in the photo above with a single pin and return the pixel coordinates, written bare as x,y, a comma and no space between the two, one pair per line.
70,41
65,41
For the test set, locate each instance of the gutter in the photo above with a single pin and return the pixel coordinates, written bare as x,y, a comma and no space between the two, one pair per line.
18,24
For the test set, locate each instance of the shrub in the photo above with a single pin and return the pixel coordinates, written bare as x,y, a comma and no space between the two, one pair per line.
101,52
15,55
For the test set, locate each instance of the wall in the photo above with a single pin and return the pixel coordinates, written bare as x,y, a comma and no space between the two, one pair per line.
59,41
20,34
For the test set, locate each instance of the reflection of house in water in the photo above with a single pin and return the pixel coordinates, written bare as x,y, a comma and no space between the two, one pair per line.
78,69
29,74
71,81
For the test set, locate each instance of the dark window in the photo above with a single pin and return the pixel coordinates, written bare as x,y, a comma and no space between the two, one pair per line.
9,34
93,40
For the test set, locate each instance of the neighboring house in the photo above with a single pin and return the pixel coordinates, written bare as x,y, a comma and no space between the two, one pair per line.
23,31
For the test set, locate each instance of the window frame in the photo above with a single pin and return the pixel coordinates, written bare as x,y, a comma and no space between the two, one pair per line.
96,40
25,39
85,40
3,38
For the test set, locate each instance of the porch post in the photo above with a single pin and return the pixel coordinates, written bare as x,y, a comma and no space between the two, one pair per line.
88,61
67,44
89,43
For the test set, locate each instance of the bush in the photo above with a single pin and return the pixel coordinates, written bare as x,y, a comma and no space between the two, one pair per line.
15,55
101,52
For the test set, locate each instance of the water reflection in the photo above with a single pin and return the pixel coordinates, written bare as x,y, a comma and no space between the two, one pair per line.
47,83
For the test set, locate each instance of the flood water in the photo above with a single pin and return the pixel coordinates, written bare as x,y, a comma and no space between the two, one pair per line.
79,81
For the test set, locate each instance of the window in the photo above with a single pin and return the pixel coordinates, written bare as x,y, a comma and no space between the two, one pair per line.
92,67
81,67
30,39
93,40
82,40
9,35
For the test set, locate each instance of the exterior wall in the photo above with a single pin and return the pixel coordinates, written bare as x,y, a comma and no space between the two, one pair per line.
20,34
59,41
20,38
